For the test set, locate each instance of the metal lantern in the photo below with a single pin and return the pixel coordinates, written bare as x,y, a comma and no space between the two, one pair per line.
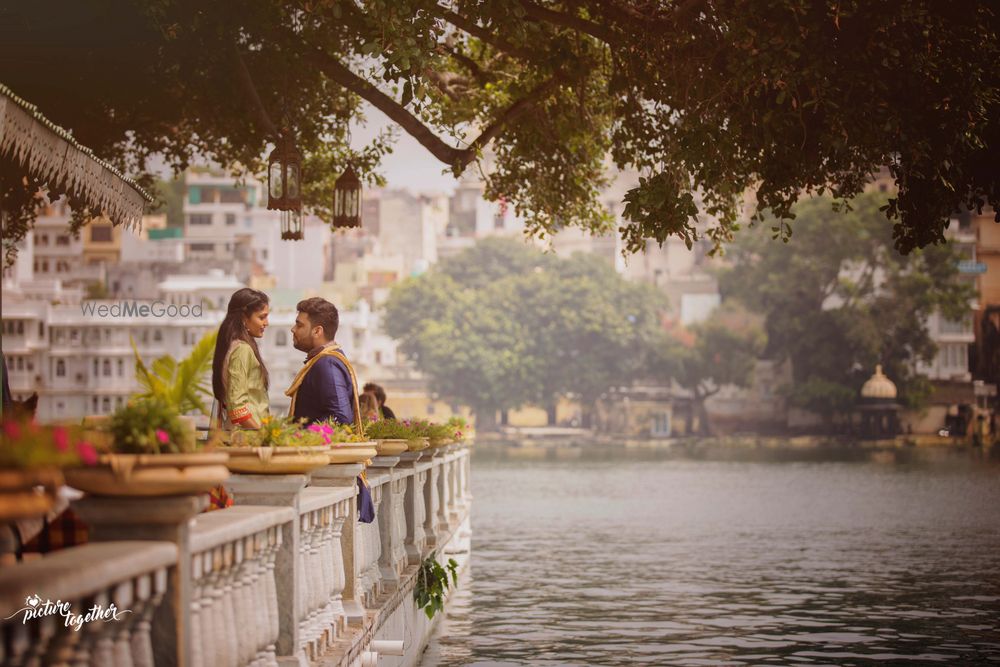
291,225
347,200
284,176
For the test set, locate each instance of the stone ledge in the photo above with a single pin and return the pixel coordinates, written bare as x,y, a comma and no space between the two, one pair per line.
318,497
76,573
222,526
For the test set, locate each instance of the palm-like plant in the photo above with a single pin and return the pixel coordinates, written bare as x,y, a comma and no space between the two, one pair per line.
180,384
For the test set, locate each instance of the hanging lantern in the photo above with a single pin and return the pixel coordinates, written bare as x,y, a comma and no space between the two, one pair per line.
347,200
291,225
284,176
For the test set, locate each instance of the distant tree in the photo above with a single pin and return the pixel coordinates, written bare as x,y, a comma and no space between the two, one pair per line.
724,352
841,299
773,97
528,328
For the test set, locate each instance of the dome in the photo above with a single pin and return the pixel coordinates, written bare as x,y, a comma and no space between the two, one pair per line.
879,386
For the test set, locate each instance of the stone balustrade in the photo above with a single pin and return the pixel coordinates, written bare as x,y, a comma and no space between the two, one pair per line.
288,576
91,605
234,599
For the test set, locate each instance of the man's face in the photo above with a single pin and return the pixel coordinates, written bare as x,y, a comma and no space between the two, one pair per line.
304,335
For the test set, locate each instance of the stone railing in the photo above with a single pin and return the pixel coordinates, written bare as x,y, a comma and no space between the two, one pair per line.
288,576
91,605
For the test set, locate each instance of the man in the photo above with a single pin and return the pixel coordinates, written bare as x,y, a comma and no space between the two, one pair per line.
379,393
326,385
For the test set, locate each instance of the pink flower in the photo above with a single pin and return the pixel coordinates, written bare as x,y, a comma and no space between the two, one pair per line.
162,436
11,429
60,438
315,428
87,453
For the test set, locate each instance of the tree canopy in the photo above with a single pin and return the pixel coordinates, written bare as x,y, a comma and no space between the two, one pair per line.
843,301
707,100
502,337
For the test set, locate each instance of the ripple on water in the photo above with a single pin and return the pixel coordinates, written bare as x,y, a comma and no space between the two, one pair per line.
705,563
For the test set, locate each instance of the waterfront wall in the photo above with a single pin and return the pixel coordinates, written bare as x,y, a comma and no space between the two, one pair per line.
288,576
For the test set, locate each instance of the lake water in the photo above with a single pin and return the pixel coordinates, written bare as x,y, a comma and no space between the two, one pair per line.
621,559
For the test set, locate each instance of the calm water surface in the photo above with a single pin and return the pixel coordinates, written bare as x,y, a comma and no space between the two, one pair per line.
655,560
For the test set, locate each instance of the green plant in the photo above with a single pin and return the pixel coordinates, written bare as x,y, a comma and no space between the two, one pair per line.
458,426
26,445
439,432
282,432
180,384
335,432
389,429
432,583
149,426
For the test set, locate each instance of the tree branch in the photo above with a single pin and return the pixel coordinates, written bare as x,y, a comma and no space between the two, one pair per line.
481,33
457,158
545,15
247,82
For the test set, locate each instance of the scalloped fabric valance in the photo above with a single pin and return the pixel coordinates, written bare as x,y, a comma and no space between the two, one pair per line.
49,152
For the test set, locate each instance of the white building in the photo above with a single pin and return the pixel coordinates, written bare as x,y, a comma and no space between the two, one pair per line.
226,221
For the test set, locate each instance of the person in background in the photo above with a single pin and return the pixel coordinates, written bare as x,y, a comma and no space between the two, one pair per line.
379,393
239,376
369,407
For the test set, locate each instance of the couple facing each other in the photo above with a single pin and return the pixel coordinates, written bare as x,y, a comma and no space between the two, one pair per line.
325,387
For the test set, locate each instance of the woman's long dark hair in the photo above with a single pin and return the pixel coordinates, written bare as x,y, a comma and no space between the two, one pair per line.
243,303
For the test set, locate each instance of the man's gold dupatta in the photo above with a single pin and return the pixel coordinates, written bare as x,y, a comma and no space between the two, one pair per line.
331,351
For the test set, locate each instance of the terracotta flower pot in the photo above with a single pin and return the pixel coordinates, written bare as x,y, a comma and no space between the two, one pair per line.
277,460
151,474
352,452
25,494
391,447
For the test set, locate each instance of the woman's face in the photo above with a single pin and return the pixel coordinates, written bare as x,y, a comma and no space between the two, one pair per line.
257,322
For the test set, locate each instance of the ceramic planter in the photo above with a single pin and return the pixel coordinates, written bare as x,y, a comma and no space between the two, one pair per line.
352,452
25,494
391,447
277,460
417,444
144,475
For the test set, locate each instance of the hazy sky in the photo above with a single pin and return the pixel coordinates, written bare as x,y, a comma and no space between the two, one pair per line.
409,165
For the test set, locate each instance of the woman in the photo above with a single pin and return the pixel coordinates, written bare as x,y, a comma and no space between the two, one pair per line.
369,407
239,377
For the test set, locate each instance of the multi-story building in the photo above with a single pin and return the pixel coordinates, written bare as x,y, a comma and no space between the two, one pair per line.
57,254
77,353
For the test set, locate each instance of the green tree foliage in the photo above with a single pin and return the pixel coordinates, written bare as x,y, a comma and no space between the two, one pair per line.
719,98
526,328
724,352
841,299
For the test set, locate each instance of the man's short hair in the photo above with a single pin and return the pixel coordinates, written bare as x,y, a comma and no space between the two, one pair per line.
379,392
321,313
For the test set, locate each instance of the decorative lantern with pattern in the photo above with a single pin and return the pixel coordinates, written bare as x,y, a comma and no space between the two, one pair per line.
291,225
347,200
284,176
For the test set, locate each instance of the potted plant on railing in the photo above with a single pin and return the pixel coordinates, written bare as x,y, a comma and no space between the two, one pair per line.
281,446
182,386
152,452
346,445
31,461
393,437
461,431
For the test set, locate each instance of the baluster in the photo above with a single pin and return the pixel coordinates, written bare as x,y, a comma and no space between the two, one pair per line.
274,542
